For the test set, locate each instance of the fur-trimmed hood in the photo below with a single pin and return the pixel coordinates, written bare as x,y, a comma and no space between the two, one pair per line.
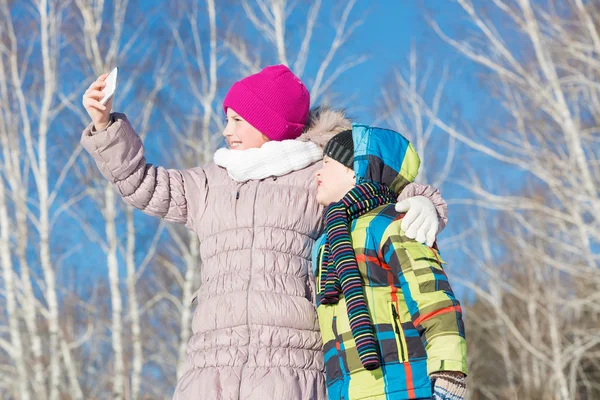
323,124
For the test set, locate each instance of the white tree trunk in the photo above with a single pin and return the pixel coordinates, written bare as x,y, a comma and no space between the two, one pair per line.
72,371
47,30
12,155
133,305
191,272
9,293
29,303
115,292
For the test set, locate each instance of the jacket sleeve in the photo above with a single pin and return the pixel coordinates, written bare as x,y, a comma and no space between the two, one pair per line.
175,195
435,311
433,194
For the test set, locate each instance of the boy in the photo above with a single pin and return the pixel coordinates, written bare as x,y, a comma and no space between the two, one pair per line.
391,326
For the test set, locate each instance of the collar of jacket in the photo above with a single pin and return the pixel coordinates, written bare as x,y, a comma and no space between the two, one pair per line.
272,159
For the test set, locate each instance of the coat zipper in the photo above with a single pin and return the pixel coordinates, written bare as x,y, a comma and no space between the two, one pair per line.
319,266
237,197
395,318
250,280
238,189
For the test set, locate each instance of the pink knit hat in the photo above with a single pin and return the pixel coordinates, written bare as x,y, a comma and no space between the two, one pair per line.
274,101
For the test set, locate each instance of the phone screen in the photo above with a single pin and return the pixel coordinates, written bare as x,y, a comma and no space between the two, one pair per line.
111,85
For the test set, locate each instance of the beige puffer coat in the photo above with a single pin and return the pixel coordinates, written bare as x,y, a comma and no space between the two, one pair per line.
255,330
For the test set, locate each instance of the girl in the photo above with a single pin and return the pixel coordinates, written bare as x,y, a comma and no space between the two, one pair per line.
255,330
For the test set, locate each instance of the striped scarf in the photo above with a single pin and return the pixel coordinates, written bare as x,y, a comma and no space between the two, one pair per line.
339,271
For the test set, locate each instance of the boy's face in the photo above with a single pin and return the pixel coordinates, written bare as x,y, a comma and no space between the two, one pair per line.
334,180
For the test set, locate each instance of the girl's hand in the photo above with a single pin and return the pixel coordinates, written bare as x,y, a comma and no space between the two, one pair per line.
99,113
421,220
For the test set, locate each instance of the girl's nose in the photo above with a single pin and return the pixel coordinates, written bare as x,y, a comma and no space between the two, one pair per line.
227,131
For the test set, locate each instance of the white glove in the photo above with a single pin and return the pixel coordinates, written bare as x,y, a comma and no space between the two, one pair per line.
421,219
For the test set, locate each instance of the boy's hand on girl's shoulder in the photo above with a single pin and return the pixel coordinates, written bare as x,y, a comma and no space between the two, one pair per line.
421,220
100,114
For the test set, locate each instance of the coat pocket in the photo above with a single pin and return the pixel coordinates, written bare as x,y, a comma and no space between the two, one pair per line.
419,251
428,268
398,333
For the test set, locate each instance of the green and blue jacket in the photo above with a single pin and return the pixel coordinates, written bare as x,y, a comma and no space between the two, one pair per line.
417,319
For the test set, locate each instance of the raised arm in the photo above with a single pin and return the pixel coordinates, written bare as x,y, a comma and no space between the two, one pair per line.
175,195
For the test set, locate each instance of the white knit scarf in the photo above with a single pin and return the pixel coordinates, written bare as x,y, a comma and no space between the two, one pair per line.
272,159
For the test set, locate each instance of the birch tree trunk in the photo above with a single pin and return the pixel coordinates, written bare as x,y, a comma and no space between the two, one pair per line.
133,305
115,292
16,349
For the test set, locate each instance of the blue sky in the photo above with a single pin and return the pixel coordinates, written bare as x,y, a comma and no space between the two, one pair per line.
390,29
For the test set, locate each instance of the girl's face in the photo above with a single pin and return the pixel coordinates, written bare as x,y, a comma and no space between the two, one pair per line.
240,135
334,180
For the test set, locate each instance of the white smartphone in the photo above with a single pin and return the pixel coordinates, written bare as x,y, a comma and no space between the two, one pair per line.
111,86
